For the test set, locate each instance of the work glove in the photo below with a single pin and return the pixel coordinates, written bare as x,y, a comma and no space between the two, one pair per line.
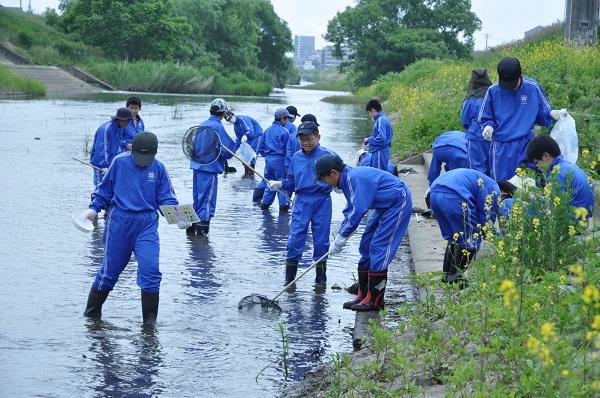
558,113
183,224
338,243
244,138
487,133
90,214
275,185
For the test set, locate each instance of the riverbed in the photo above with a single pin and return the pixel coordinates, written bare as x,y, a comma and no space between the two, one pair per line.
203,345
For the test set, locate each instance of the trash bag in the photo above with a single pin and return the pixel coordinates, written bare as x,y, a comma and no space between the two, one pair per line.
246,152
565,134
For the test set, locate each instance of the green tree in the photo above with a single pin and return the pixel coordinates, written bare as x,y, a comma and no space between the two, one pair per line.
135,29
388,35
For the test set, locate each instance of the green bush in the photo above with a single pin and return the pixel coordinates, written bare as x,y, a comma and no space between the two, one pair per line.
12,83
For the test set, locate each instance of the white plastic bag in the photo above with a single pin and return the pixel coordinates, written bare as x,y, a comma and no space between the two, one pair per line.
246,152
565,133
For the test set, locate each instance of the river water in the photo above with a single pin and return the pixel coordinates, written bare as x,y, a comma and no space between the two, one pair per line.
203,345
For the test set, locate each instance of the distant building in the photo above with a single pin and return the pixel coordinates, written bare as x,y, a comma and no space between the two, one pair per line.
581,22
531,33
328,60
304,49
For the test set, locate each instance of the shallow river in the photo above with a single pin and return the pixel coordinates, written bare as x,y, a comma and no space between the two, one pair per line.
203,346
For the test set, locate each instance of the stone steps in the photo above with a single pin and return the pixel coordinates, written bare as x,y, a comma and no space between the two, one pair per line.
58,82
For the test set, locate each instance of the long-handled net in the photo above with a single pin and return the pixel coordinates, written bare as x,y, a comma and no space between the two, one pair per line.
202,144
271,304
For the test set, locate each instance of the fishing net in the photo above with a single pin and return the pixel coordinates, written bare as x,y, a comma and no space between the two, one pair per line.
201,144
259,300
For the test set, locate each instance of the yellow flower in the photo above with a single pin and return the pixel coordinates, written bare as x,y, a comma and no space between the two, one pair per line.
493,267
547,190
572,230
593,164
506,284
555,170
536,306
565,373
590,294
576,269
455,236
563,279
484,285
533,345
596,322
480,181
547,331
556,201
536,223
596,385
585,153
581,213
464,205
545,356
520,172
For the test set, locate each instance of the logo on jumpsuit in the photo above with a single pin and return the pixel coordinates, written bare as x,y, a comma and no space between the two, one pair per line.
151,176
523,100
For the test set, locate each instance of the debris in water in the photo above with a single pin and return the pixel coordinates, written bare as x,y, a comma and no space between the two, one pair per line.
336,287
37,138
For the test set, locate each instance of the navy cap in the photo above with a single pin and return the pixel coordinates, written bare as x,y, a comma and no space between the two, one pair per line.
144,148
309,118
509,72
123,114
307,128
292,111
327,163
281,113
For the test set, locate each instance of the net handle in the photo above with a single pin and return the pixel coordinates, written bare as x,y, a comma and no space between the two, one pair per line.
313,265
254,170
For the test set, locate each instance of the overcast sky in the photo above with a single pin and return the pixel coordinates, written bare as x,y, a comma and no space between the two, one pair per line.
503,20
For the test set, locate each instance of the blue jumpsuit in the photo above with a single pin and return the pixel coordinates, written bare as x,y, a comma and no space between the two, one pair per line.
247,126
582,194
369,188
512,114
133,128
367,161
272,147
449,148
205,182
131,195
380,142
311,206
107,145
471,187
477,147
293,146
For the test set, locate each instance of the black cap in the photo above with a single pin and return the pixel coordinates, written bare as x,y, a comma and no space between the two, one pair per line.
509,72
123,114
308,128
326,163
292,110
308,117
144,148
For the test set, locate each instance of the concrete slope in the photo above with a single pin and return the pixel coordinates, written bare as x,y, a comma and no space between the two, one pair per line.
58,82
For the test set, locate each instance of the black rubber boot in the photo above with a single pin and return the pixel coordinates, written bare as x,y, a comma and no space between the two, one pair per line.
449,258
284,208
363,286
264,207
227,169
191,230
258,194
149,307
462,257
374,300
202,228
95,300
291,268
248,172
321,276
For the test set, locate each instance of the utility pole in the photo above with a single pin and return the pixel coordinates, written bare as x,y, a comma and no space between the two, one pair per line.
486,41
581,21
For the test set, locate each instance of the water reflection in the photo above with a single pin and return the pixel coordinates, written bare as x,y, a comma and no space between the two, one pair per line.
202,268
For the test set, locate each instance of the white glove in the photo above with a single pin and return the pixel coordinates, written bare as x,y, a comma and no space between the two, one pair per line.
91,214
558,113
366,144
338,243
104,170
183,224
275,185
244,138
487,133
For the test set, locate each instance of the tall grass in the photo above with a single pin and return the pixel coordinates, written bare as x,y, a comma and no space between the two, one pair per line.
428,94
169,77
12,83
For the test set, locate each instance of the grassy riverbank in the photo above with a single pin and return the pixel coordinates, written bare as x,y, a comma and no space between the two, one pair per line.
11,83
43,45
428,94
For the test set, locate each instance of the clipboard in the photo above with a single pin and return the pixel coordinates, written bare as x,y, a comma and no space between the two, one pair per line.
177,213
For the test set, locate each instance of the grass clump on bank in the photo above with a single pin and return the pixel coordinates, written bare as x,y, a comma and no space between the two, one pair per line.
428,95
12,83
169,77
527,324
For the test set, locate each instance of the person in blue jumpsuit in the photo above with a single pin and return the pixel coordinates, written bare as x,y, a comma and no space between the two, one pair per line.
205,183
449,148
380,141
134,187
363,158
507,115
463,201
311,206
369,188
545,153
107,142
136,124
246,130
477,147
273,147
293,144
